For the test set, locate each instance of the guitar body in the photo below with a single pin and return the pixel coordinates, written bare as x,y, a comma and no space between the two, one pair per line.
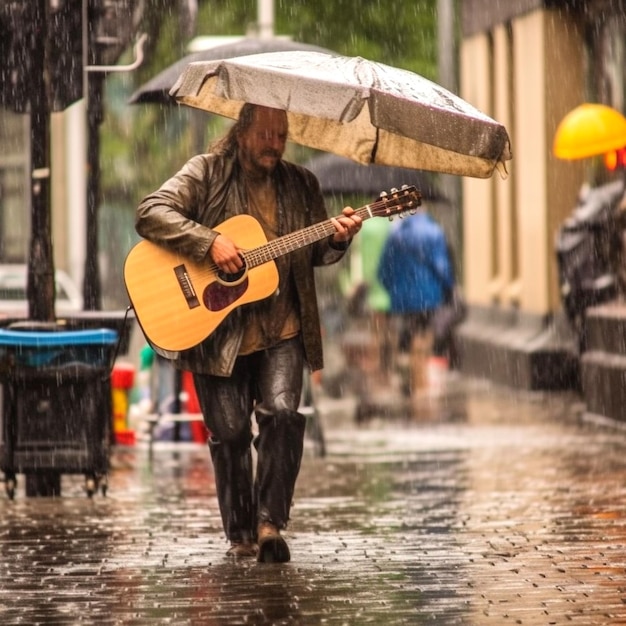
179,303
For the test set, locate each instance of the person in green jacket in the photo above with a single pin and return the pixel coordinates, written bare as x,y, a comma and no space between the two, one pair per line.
372,240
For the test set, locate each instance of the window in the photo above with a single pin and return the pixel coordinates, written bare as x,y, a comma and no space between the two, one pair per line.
14,190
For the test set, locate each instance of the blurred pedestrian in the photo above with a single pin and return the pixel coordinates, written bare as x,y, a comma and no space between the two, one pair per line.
254,361
416,271
368,300
447,317
372,242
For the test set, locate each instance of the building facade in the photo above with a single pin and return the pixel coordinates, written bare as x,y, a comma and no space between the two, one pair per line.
528,63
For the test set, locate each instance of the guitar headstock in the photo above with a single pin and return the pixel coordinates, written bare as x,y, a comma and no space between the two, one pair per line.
397,202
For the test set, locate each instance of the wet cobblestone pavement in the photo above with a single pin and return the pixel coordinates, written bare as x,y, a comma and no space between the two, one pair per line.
489,506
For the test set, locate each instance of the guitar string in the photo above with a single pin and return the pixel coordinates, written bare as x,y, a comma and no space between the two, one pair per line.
293,241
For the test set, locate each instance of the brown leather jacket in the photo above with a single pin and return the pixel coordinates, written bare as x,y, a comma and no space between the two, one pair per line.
205,192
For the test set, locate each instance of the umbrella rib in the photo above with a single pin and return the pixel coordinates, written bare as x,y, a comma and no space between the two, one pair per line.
375,146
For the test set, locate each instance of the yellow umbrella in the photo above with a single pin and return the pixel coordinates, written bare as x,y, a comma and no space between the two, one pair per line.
589,130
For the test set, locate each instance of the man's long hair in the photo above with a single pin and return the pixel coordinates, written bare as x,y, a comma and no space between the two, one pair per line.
228,143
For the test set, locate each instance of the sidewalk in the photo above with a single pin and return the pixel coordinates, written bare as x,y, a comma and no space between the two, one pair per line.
494,507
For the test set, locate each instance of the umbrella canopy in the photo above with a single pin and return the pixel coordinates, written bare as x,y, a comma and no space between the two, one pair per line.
366,111
589,130
157,89
337,174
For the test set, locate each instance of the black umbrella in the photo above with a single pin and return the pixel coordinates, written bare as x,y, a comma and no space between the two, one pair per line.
341,175
156,90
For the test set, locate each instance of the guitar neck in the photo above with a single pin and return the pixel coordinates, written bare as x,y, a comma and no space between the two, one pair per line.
294,241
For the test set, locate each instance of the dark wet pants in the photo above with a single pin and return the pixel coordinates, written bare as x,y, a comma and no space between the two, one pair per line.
268,383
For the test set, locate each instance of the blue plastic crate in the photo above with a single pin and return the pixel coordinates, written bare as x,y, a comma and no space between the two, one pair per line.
56,348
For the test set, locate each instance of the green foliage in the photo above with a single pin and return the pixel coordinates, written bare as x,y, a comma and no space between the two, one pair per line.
141,149
400,33
226,17
141,145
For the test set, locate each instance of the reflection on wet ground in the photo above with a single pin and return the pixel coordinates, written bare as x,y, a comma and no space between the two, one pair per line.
486,506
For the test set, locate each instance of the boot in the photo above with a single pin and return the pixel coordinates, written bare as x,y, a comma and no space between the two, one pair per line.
242,549
232,466
272,546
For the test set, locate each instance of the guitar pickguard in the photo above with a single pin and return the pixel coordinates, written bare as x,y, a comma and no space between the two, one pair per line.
217,296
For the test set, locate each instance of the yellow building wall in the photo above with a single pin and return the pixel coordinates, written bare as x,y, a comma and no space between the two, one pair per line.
505,283
527,75
564,80
478,201
531,146
59,191
68,188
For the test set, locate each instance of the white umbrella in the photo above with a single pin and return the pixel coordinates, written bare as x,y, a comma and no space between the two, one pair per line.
156,90
366,111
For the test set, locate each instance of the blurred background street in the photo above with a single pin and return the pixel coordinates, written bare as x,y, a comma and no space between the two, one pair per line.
494,495
485,505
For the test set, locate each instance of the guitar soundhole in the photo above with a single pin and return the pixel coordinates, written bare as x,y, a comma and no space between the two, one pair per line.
217,296
227,279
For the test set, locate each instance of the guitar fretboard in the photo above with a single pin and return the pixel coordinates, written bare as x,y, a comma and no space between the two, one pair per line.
294,241
387,206
316,232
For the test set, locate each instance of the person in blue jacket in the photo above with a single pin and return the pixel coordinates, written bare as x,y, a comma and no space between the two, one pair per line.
416,271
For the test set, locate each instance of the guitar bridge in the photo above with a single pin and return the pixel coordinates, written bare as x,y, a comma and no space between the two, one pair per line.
189,293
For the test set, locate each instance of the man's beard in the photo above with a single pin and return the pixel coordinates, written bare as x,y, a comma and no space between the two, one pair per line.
267,169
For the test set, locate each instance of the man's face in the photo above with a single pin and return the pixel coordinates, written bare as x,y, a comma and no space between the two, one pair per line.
262,145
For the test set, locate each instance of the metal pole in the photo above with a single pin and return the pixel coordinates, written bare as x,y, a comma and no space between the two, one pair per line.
40,285
92,92
265,17
92,291
447,51
446,44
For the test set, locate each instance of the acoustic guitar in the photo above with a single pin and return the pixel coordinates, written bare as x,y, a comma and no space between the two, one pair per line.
179,303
